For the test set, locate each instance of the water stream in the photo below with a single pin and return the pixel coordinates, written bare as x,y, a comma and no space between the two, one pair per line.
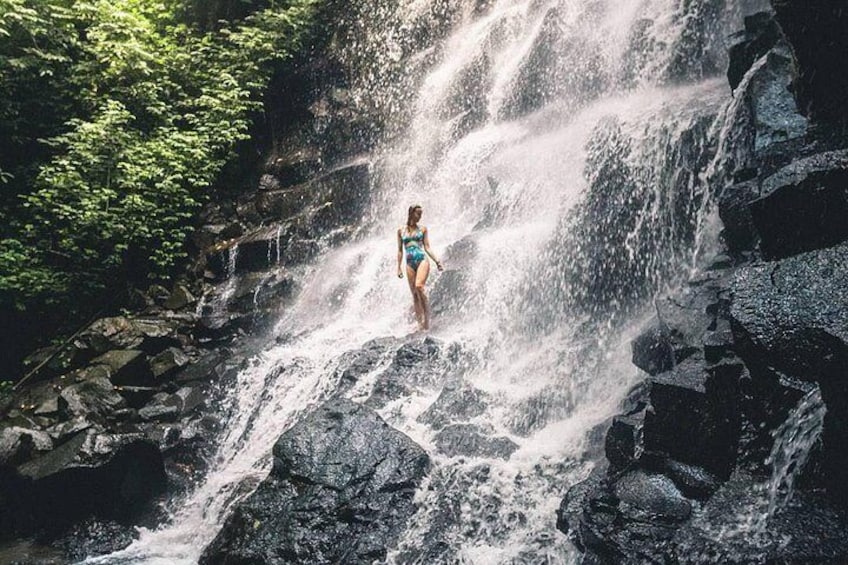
560,152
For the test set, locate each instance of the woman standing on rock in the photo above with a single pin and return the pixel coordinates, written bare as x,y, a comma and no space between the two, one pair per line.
415,240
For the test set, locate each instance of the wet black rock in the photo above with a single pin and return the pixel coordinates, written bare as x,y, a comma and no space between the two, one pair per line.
659,349
91,397
816,31
694,416
628,519
340,491
693,482
644,496
732,528
416,364
734,208
106,475
126,367
472,441
207,367
761,33
458,402
355,364
168,362
766,114
623,442
791,317
803,206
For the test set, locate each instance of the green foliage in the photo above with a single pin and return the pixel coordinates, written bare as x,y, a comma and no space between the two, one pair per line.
141,111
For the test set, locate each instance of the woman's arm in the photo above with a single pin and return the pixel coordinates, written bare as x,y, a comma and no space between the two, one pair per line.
428,250
400,255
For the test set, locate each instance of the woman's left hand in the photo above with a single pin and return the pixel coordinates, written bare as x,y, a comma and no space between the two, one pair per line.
439,266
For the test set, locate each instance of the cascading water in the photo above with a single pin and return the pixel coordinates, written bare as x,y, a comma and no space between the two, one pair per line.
558,149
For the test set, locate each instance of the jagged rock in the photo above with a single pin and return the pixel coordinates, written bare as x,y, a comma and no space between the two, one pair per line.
793,314
472,441
340,490
137,396
72,356
261,291
734,209
628,521
677,332
111,476
180,298
766,113
817,34
718,343
414,364
761,33
803,206
286,202
658,349
623,441
294,168
458,402
92,397
167,362
192,399
342,197
162,408
65,430
694,416
644,496
126,367
203,369
150,335
692,481
21,444
791,317
354,364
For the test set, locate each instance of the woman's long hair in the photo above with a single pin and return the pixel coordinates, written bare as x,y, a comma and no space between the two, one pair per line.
412,209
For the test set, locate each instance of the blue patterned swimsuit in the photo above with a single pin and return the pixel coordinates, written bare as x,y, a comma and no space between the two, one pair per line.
414,252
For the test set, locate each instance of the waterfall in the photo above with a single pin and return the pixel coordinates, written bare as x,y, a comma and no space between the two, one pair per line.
558,149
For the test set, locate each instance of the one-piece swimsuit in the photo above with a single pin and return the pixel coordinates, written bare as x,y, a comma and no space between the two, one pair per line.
414,253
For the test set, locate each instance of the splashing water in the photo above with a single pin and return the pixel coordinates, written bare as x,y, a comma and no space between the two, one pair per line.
558,149
793,441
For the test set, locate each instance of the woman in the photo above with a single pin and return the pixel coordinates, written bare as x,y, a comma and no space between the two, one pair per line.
415,241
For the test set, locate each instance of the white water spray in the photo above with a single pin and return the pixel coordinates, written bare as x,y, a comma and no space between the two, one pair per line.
496,150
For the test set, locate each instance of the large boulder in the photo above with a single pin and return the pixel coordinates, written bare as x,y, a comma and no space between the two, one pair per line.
803,206
112,476
764,113
791,317
693,415
340,491
816,31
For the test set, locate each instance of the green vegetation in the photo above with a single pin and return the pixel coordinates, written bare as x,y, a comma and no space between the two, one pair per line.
116,117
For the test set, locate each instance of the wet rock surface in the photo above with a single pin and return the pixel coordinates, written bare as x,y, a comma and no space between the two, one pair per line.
340,490
690,472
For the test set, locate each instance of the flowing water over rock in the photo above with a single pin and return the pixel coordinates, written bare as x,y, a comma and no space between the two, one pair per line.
559,150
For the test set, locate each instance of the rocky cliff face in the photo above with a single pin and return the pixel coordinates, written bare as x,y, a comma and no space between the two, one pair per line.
734,450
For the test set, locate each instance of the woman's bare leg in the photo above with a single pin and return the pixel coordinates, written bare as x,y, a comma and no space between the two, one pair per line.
416,301
420,280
